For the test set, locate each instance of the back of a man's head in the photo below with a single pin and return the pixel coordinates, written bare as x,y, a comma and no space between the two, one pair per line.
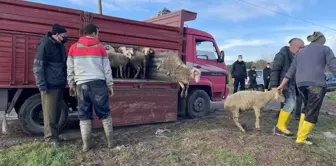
91,29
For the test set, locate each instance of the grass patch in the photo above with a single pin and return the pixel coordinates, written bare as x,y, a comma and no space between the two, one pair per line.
36,154
225,157
331,95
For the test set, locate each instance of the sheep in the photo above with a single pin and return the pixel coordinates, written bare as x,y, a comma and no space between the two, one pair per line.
178,71
139,59
245,100
118,60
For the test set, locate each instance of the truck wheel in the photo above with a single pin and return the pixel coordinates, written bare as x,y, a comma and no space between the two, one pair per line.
31,116
198,103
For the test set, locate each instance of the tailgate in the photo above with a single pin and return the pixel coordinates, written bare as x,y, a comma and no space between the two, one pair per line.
142,102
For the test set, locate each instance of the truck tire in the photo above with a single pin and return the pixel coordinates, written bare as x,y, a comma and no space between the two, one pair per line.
31,116
198,103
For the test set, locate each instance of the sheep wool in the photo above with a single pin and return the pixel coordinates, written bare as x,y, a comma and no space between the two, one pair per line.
243,101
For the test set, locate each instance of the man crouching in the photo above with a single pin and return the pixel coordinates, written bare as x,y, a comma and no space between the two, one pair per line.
90,80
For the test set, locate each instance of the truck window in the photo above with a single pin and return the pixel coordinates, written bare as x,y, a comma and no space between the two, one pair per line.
206,50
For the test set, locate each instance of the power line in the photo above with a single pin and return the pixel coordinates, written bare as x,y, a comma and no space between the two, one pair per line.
287,15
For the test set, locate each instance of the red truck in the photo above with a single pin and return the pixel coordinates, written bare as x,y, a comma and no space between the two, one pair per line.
136,101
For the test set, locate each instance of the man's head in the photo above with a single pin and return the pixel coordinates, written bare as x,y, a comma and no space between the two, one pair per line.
91,30
240,58
253,67
295,45
268,65
59,33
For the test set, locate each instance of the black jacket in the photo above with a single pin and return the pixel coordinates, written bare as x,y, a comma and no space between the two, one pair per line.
50,64
281,64
252,75
239,70
267,73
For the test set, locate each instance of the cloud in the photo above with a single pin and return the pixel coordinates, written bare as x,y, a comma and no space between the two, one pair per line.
238,42
235,10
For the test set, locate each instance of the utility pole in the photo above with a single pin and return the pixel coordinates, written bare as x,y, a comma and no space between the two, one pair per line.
100,10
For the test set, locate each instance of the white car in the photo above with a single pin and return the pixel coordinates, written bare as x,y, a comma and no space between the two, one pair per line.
260,80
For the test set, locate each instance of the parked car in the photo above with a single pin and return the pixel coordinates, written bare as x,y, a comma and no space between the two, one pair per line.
260,81
331,81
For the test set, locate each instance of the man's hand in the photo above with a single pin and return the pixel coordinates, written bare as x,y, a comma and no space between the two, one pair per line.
110,91
72,91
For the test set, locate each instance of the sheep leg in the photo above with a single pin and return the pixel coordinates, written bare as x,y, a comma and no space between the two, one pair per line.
144,69
183,88
117,73
186,90
129,72
236,120
121,71
137,72
257,115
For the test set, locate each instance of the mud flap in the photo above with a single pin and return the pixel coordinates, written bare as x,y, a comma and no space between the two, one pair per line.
182,104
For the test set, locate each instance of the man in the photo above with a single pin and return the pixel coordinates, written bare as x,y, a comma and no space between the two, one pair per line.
50,74
239,74
267,76
90,79
308,68
281,64
253,78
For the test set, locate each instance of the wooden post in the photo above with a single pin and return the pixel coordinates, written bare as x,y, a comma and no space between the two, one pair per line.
100,10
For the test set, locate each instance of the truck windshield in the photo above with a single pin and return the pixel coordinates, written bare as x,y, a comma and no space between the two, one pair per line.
206,50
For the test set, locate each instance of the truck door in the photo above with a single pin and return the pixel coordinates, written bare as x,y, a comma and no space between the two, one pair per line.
205,58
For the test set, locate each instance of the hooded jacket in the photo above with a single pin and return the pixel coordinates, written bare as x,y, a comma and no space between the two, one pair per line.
281,63
49,66
88,61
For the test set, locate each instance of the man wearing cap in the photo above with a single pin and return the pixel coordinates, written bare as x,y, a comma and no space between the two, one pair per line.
308,69
281,64
50,76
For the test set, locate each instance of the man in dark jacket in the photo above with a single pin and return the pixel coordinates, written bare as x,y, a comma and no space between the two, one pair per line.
281,64
239,74
50,76
267,76
252,74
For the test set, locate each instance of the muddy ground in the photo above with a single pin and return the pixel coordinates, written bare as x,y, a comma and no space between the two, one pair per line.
213,140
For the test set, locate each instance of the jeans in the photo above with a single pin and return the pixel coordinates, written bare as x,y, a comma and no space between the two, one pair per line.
290,99
94,93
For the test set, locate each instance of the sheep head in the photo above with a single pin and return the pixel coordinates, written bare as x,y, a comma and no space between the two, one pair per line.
278,94
195,74
109,48
128,52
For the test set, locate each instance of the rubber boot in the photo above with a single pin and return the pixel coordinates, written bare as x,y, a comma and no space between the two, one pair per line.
283,120
303,132
265,90
302,117
108,128
85,127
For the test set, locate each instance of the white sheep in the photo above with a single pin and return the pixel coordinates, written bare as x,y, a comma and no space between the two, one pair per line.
245,100
178,71
118,60
138,59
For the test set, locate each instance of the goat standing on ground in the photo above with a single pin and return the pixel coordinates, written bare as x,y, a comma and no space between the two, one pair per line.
245,100
178,71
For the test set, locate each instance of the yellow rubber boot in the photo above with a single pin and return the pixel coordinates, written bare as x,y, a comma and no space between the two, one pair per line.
301,121
283,120
265,90
302,135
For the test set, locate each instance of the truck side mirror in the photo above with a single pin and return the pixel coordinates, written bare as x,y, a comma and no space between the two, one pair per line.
221,57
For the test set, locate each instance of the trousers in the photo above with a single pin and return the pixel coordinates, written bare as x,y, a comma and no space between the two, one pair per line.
51,105
238,81
312,97
93,94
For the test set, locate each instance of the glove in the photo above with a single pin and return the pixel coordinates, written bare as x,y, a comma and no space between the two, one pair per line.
72,91
110,91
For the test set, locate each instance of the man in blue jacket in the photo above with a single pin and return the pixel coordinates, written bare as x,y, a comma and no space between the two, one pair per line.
50,75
